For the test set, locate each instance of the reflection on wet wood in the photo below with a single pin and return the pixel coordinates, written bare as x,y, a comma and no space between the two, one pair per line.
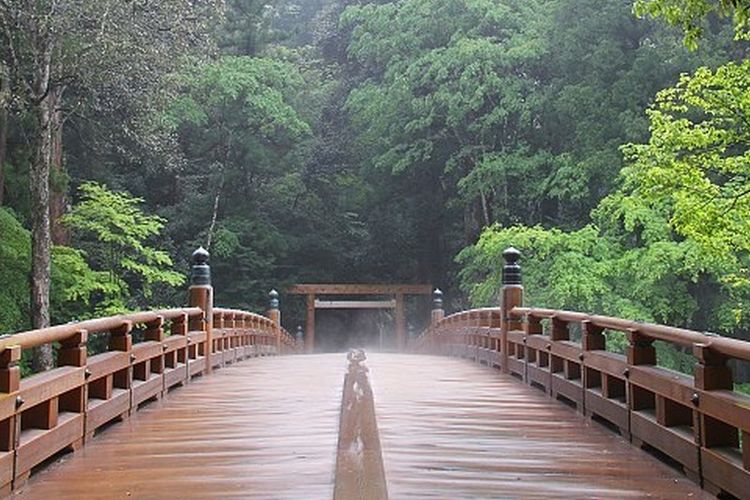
453,429
263,428
359,463
268,428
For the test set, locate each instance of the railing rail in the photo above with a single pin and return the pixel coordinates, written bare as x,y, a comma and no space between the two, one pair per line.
62,408
735,348
700,422
60,333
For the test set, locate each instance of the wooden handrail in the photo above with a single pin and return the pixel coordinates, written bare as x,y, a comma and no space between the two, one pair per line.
62,408
729,347
65,406
59,333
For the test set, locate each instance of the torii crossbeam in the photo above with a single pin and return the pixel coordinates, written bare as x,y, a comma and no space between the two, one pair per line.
397,291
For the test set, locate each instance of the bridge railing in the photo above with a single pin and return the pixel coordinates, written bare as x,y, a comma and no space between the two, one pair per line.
700,422
58,409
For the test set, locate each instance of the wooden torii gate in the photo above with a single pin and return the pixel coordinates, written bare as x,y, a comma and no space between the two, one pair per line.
396,291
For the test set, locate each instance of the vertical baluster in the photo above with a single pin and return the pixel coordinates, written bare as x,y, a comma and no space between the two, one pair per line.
10,381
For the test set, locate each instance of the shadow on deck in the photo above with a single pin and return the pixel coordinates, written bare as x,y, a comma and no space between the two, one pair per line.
268,428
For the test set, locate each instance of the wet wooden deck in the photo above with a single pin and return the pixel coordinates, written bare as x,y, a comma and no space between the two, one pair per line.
268,428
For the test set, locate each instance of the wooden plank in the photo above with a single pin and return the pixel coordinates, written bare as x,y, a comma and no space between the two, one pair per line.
448,428
107,363
35,445
175,376
722,469
254,430
146,350
677,442
101,411
344,289
144,390
613,410
196,366
46,385
6,471
355,304
7,405
453,429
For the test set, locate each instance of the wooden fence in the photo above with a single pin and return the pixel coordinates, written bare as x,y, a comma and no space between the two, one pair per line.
699,422
62,408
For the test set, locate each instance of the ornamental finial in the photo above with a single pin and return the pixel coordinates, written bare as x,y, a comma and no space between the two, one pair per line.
273,302
511,269
437,299
201,271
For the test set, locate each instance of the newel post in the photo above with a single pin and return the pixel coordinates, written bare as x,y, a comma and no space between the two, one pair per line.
438,313
300,338
512,296
201,295
274,314
712,373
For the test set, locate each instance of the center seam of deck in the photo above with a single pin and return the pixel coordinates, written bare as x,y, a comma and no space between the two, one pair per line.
360,472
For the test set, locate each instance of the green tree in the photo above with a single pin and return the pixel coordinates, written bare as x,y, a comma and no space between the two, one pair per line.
75,286
467,113
675,231
692,15
116,234
51,45
240,127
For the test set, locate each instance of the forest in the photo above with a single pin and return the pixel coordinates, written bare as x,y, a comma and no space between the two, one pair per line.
376,141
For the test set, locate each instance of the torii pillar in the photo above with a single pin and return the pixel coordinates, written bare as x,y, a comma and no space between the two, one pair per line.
400,322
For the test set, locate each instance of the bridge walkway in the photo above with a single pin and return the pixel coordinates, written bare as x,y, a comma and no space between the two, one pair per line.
268,428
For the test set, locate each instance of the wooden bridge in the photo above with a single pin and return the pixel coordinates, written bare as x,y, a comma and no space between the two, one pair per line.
507,402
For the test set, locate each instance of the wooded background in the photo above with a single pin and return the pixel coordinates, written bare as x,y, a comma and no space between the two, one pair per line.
356,141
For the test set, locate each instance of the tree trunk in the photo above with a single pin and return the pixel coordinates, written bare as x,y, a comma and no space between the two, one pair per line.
58,184
40,231
485,208
4,94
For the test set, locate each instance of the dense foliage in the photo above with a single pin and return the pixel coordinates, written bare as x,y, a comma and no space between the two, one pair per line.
75,286
360,141
115,233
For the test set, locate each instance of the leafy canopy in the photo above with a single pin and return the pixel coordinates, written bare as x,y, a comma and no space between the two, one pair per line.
74,288
691,15
697,160
117,233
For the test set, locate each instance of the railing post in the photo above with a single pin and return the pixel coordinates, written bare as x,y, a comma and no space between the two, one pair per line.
712,373
512,296
201,295
438,312
300,338
10,383
274,314
437,315
640,351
